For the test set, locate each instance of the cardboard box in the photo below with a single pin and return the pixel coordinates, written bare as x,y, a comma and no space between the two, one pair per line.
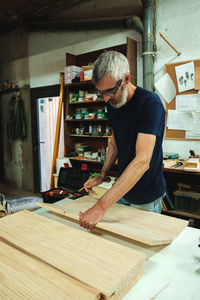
71,72
70,69
70,76
88,75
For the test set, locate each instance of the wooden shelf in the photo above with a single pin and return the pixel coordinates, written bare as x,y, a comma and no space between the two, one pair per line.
180,170
86,102
86,120
79,83
90,136
183,214
9,91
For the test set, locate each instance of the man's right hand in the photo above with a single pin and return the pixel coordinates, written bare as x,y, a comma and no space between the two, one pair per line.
91,182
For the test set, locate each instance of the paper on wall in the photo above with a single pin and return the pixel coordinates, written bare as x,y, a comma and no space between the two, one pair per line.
197,77
189,102
194,133
185,75
179,120
166,87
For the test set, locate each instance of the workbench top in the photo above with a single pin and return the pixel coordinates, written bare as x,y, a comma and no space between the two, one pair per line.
171,272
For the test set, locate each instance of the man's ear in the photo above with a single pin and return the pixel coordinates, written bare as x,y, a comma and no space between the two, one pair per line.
127,78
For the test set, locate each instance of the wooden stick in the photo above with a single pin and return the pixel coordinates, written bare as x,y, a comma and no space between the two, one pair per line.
57,136
164,38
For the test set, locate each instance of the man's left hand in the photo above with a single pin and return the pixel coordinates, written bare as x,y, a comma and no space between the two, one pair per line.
91,217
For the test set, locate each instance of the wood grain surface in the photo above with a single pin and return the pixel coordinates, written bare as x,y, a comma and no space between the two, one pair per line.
138,225
23,277
97,263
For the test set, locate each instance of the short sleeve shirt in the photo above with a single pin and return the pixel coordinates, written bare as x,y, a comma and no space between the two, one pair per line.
144,113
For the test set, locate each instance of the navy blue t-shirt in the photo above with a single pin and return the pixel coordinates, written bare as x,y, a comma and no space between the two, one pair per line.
144,113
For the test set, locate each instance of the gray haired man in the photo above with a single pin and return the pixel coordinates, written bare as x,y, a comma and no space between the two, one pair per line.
137,118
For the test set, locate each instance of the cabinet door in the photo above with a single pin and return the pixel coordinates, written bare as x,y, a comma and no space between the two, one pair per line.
131,54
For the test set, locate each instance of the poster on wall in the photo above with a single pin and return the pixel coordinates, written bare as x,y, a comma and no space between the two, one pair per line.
185,75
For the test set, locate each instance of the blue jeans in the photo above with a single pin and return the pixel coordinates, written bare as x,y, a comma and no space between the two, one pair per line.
154,206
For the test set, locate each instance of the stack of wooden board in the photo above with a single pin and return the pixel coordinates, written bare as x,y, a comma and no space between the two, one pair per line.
192,165
44,259
128,222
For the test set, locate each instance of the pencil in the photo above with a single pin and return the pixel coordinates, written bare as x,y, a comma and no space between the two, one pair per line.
81,189
84,187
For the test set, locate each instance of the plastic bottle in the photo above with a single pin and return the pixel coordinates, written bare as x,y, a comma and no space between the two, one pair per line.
103,154
99,155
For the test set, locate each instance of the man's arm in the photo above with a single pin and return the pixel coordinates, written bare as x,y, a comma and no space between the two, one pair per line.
110,157
109,161
131,175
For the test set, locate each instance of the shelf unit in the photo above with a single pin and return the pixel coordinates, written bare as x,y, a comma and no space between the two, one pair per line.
71,138
11,90
173,176
93,141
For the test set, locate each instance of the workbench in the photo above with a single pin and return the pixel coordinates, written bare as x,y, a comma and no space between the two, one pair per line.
171,272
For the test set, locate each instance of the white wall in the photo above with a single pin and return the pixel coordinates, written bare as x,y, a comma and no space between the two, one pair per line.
47,51
179,22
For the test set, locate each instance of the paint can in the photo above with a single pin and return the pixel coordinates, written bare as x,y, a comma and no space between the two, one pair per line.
15,205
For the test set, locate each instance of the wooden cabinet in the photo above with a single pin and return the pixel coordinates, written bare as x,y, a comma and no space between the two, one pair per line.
183,209
74,133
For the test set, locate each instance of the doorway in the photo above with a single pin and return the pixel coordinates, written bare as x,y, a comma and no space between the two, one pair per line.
47,110
39,93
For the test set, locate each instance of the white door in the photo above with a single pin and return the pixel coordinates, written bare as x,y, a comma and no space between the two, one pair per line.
47,109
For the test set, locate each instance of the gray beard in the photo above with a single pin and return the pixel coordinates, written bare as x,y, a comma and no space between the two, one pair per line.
122,101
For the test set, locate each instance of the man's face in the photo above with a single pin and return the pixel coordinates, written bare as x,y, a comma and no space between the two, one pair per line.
113,92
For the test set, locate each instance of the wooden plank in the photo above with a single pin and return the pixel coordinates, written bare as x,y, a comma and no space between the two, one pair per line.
135,224
100,264
23,277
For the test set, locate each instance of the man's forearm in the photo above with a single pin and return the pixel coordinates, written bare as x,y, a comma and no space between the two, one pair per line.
110,158
134,171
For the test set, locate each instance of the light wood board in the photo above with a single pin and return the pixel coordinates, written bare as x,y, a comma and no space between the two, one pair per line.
23,277
97,263
138,225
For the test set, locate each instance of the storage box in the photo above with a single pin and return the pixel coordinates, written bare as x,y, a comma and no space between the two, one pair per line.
70,69
187,201
88,75
70,180
71,72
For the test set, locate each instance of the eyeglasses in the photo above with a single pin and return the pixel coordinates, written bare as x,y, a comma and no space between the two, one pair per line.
112,91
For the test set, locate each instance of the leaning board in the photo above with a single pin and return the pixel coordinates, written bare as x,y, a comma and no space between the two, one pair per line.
139,225
97,263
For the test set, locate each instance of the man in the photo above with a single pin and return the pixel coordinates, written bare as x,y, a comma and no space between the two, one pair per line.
137,118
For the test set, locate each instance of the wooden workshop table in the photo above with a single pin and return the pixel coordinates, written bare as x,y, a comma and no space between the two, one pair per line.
171,272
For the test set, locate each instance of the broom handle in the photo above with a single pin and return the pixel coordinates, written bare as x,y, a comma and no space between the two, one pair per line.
57,136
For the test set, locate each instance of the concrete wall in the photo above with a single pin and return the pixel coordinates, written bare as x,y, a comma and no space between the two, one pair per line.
179,22
14,67
35,60
47,51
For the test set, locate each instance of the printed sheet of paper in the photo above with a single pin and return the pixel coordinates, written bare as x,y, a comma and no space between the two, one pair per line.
189,102
179,120
194,133
166,87
197,77
185,75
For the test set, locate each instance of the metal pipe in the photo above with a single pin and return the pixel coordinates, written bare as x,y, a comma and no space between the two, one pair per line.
130,22
148,80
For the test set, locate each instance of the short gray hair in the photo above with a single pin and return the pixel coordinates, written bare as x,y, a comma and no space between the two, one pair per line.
111,63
